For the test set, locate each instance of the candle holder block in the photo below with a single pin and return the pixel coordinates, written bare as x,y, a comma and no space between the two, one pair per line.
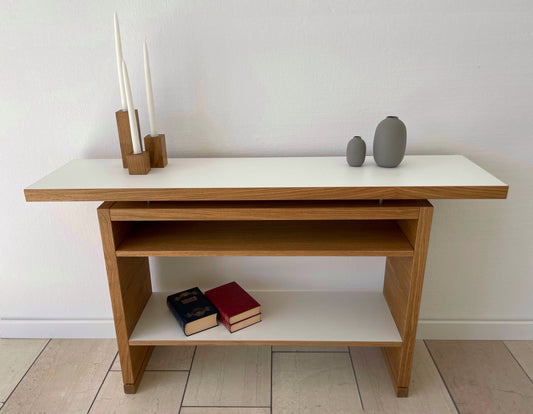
157,148
124,134
138,164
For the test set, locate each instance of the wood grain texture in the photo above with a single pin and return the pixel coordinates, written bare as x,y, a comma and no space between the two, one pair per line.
166,358
313,383
138,164
523,353
428,393
396,288
124,134
229,376
265,210
289,193
129,288
280,238
64,379
483,377
160,392
156,147
16,356
399,360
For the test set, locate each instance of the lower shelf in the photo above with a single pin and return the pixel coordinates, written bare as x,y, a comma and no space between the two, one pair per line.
356,318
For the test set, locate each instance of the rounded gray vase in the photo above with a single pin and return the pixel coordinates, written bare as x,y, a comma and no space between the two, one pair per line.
390,140
356,152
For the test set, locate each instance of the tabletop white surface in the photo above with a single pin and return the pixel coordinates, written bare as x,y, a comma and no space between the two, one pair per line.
270,172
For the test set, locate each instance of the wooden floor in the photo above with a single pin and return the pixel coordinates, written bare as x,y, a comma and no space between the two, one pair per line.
82,376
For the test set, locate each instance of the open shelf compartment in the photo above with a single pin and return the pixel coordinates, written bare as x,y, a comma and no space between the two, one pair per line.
265,238
288,318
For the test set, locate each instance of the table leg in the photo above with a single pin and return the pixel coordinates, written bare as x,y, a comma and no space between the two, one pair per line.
130,288
402,288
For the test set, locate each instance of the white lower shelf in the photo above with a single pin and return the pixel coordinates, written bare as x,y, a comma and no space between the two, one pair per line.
288,317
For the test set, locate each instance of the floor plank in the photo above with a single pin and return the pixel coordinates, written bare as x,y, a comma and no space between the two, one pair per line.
427,392
523,353
313,383
483,377
310,349
158,392
64,379
224,410
166,358
16,356
229,376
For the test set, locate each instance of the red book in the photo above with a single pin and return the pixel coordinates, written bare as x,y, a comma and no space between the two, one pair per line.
233,303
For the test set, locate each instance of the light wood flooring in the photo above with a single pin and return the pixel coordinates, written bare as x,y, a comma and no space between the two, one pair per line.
83,376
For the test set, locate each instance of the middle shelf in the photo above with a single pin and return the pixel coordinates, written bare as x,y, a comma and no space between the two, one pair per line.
265,238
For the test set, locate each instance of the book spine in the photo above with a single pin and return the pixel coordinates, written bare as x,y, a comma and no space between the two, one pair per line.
181,321
224,321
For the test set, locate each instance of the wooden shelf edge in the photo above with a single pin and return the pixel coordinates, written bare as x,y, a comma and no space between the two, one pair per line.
282,193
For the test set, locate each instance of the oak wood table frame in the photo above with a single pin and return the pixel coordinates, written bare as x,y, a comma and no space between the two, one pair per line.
227,213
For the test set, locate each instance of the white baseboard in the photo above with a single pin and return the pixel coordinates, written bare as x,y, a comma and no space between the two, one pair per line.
482,330
27,328
427,329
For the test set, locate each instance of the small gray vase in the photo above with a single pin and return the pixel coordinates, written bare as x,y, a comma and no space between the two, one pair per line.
356,152
389,142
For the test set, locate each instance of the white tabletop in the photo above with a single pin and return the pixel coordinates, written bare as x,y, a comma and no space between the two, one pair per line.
308,177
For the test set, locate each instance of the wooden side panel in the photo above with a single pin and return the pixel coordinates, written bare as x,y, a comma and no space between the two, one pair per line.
129,288
396,289
407,286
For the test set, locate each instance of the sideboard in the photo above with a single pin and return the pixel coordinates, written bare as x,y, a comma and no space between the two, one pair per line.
272,206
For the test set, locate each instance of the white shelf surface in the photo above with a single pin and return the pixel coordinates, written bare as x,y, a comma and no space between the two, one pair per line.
269,172
347,317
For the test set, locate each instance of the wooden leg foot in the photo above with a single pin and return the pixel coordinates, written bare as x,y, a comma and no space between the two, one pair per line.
132,388
402,392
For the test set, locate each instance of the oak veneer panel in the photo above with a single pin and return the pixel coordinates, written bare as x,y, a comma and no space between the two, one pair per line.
265,210
314,383
289,318
427,393
159,392
229,376
64,379
409,278
129,288
279,238
483,377
270,178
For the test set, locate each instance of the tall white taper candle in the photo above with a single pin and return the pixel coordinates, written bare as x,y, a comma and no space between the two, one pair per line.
135,139
118,51
149,92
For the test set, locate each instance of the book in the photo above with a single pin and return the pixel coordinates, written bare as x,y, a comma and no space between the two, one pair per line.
241,324
193,311
233,303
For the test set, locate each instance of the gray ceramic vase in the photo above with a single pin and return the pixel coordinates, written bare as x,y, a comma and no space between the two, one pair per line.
389,142
356,152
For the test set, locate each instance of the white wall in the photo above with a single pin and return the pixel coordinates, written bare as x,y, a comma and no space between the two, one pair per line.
256,78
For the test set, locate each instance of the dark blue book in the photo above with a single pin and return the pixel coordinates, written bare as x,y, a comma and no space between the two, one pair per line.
192,310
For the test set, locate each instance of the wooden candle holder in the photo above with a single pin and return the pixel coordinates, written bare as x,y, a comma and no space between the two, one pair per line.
157,148
124,134
138,164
